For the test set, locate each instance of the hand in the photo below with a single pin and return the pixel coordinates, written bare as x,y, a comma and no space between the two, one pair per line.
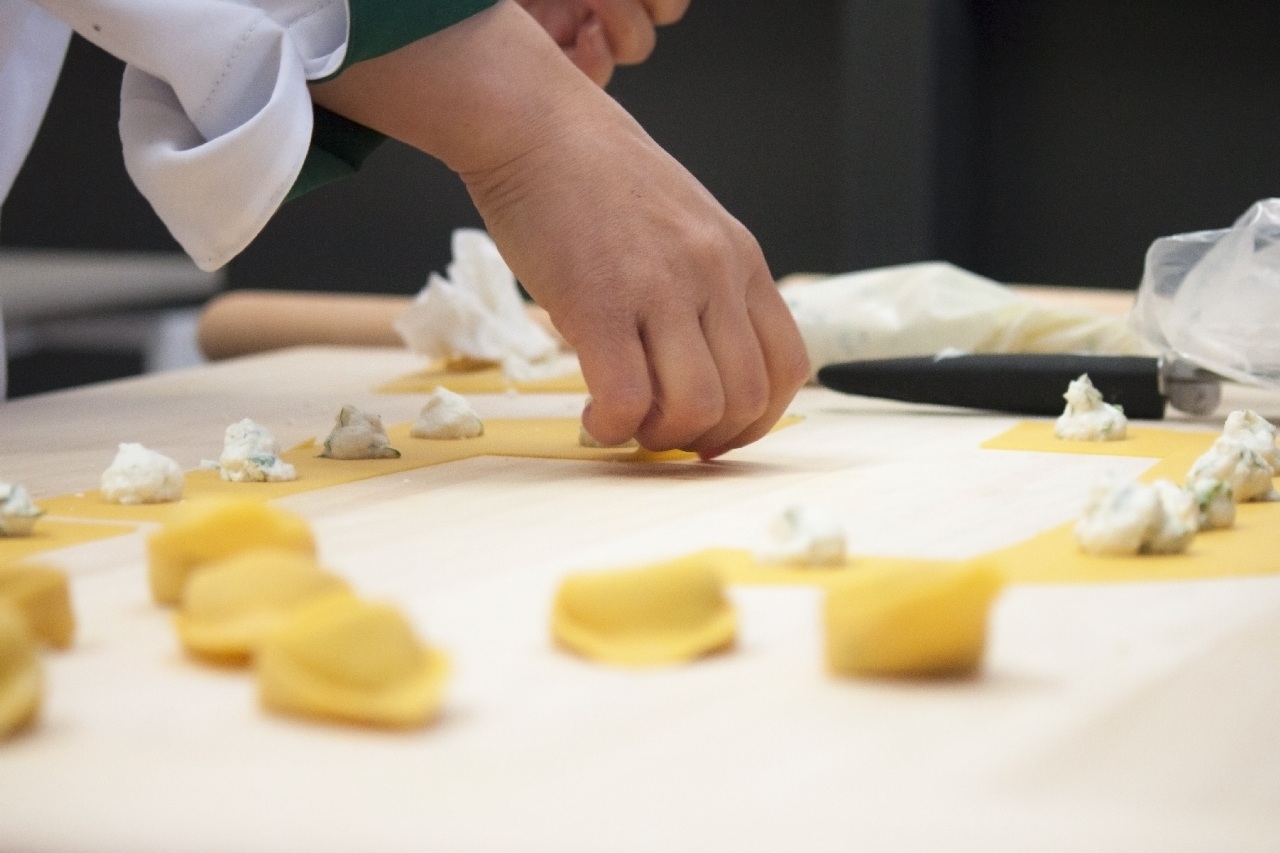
598,35
683,338
682,335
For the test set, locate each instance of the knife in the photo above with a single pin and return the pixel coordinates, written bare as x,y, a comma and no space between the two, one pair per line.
1031,384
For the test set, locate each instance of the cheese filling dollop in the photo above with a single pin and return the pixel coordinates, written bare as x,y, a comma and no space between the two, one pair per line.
139,475
1126,518
18,513
447,415
358,435
806,536
1087,416
1238,467
249,455
1256,433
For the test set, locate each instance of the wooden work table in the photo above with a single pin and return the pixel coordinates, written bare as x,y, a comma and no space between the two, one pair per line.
1110,717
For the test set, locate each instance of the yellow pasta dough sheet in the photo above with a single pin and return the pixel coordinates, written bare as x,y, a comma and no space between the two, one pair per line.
51,534
741,566
1248,548
539,438
1174,450
1251,547
480,379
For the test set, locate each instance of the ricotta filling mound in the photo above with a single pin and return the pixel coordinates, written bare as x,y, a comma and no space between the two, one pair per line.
1087,416
249,455
806,536
447,415
18,513
1126,518
358,435
1256,433
139,475
1241,461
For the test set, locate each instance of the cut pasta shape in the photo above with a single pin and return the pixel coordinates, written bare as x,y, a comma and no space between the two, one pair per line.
341,659
230,606
213,528
41,594
20,678
663,614
913,623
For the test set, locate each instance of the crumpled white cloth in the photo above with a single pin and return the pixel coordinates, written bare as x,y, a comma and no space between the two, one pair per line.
476,312
926,308
215,116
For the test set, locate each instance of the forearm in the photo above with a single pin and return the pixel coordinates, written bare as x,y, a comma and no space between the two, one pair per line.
475,95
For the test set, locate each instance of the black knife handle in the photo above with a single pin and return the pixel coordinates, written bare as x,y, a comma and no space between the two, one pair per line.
1031,384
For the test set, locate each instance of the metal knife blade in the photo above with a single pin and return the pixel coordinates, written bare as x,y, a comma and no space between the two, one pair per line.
1030,384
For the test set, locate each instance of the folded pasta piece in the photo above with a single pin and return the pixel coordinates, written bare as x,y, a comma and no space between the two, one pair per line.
230,606
345,660
20,678
214,528
910,623
41,594
662,614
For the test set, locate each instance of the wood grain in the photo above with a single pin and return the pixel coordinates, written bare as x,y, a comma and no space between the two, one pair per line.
1118,717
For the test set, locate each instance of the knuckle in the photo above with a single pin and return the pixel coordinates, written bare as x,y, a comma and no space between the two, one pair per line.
621,407
683,424
751,401
796,369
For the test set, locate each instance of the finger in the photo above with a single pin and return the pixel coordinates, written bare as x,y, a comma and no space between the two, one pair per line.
687,397
617,375
628,28
785,359
590,51
732,341
663,12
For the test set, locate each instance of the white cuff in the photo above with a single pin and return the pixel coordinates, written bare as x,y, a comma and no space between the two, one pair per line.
215,115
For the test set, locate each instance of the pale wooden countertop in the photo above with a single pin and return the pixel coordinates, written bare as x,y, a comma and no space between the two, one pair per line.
1110,718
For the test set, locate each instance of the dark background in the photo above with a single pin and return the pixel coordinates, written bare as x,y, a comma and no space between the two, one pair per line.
1029,141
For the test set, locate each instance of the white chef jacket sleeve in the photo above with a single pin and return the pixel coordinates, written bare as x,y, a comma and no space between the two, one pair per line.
215,115
32,46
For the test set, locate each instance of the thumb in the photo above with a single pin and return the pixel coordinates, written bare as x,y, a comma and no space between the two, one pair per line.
617,376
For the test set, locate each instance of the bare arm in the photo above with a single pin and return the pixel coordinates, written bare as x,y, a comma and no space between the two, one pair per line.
683,338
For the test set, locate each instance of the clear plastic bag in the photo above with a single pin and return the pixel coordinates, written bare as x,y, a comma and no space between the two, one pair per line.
1213,297
926,308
